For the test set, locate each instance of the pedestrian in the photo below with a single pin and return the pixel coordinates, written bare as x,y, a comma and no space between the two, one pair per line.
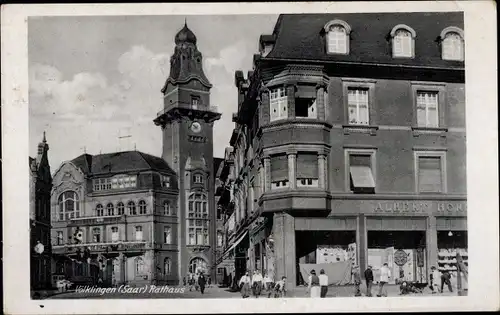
434,276
244,285
268,283
279,289
209,281
201,282
313,286
323,283
369,280
256,283
385,274
196,286
184,281
445,279
356,277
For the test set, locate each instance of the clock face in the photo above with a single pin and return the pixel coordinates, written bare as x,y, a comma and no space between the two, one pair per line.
195,127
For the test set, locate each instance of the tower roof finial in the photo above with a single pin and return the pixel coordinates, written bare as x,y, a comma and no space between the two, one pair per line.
44,139
185,21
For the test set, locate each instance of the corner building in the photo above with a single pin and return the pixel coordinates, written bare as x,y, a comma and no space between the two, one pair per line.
349,146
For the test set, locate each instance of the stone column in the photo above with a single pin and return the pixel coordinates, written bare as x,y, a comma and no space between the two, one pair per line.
290,90
284,248
292,158
320,101
321,171
267,173
431,243
123,266
362,243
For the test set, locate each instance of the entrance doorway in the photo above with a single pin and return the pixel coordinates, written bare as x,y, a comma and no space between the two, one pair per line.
198,265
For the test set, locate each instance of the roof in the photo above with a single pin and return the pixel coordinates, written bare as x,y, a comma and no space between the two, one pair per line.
119,162
301,36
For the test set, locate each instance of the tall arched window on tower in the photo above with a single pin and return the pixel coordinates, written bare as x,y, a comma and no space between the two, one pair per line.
142,207
167,263
403,41
337,37
197,219
69,205
452,44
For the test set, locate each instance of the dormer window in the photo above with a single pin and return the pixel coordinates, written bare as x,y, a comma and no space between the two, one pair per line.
195,101
165,181
403,41
337,37
452,44
198,179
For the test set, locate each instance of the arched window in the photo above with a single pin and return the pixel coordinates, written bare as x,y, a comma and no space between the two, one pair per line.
120,207
219,239
142,207
337,37
131,208
69,205
110,209
139,266
197,219
452,44
403,41
99,210
167,209
198,265
167,263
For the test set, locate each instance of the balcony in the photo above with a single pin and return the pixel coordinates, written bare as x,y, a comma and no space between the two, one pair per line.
181,109
296,131
118,246
301,201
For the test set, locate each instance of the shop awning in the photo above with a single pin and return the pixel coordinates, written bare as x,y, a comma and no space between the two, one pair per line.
234,244
362,177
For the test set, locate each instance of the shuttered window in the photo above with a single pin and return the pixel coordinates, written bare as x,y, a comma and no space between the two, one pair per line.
361,175
307,165
279,168
429,174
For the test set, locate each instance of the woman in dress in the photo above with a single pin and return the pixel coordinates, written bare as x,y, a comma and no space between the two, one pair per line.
313,285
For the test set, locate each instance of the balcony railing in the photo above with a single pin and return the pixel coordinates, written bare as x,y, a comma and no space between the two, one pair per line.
200,107
97,220
102,247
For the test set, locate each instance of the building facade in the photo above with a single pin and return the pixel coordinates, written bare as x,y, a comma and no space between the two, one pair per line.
129,217
349,146
40,247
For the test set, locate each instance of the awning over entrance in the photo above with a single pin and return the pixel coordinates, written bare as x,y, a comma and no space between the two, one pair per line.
234,244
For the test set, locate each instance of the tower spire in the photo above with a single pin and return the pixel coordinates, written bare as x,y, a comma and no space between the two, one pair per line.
44,139
185,22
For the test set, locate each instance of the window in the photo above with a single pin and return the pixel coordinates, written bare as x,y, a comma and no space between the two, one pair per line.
307,169
403,38
198,179
99,210
219,239
305,107
69,205
337,37
452,44
120,207
167,263
110,209
195,101
138,233
139,266
131,208
142,207
167,235
220,271
360,171
115,236
278,103
357,103
279,171
430,175
60,238
124,181
96,235
165,181
102,184
167,208
197,219
427,109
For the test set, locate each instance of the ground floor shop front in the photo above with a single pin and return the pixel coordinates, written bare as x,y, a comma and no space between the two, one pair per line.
410,236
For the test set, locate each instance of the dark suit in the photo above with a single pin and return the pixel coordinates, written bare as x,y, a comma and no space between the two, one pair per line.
201,282
369,281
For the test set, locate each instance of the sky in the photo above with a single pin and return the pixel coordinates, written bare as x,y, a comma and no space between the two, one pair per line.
94,79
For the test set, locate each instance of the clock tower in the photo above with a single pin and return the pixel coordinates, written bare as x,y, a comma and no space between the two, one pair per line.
187,121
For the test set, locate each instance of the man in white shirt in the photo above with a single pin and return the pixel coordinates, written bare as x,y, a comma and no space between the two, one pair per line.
245,285
257,283
323,283
385,274
268,282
